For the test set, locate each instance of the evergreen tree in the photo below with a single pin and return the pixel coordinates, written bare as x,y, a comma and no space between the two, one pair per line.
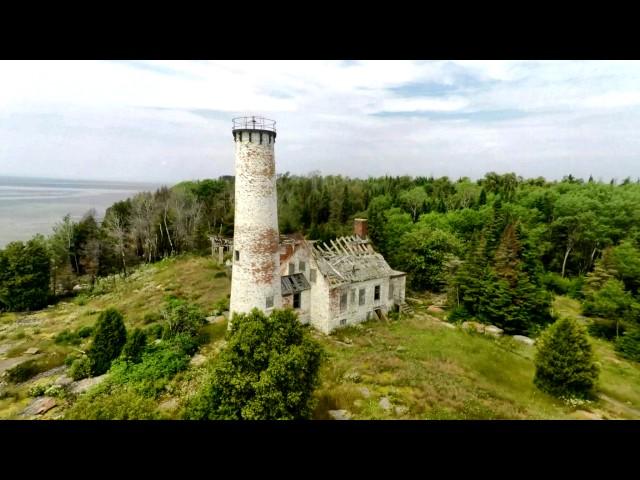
267,371
24,275
110,336
565,364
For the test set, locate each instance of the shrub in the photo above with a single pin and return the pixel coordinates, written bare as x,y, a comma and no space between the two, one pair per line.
149,377
67,337
24,371
81,299
181,317
268,370
221,305
459,313
55,391
80,368
85,332
564,361
110,337
116,403
220,274
628,345
154,331
37,390
136,342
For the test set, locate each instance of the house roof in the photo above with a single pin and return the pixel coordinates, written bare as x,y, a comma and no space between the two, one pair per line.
350,259
293,283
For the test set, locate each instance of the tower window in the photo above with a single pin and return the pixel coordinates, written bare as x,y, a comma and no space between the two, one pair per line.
270,301
301,266
292,268
361,297
296,300
376,292
237,255
312,275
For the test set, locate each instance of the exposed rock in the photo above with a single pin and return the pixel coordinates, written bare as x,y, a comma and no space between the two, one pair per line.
385,404
493,331
169,405
401,410
198,360
210,319
364,391
448,325
50,373
475,326
340,414
82,386
434,309
39,406
32,351
77,288
352,377
523,339
401,349
348,341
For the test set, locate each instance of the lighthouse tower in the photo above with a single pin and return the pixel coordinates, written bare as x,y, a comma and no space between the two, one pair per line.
255,280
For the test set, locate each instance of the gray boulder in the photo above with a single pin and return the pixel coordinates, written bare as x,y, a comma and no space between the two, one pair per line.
340,414
493,331
523,339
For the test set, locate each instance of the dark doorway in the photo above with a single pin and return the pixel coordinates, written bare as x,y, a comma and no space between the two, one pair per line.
296,300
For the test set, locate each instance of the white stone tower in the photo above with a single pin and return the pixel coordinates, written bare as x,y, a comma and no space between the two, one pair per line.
255,280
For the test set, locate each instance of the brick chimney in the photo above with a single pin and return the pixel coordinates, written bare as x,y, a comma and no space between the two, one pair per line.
360,227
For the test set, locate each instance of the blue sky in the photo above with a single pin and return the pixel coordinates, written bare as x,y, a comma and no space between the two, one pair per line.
166,121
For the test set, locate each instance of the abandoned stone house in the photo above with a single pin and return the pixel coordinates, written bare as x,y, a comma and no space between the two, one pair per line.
329,285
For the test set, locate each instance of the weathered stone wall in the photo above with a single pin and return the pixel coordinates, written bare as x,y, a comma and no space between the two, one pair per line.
256,238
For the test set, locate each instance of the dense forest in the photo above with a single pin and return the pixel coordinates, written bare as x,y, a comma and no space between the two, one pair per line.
499,246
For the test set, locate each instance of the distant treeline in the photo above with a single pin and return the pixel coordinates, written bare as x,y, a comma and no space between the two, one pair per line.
498,245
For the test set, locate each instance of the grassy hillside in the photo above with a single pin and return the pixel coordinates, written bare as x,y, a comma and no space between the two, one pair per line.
413,368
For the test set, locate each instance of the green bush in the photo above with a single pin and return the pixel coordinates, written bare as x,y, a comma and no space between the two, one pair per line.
110,337
565,364
37,390
24,371
154,331
149,377
220,274
67,337
85,332
268,370
459,313
181,317
221,305
136,342
112,403
628,345
80,368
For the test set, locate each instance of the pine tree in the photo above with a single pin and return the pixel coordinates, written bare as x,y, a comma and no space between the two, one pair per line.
565,363
108,341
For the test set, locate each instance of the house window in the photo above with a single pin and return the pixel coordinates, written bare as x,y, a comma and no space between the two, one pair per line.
361,297
376,292
343,321
312,275
237,255
301,266
391,291
292,268
353,296
343,301
296,300
270,301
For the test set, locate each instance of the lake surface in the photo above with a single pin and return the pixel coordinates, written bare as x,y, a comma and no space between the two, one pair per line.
34,205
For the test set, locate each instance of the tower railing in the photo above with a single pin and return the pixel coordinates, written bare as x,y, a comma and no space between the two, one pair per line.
254,123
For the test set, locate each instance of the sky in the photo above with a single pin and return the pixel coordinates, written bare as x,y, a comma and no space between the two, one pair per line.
167,121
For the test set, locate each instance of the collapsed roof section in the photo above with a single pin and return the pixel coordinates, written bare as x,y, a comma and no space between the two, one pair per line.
350,259
295,283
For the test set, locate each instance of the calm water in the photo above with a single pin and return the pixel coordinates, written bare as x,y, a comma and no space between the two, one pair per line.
33,205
